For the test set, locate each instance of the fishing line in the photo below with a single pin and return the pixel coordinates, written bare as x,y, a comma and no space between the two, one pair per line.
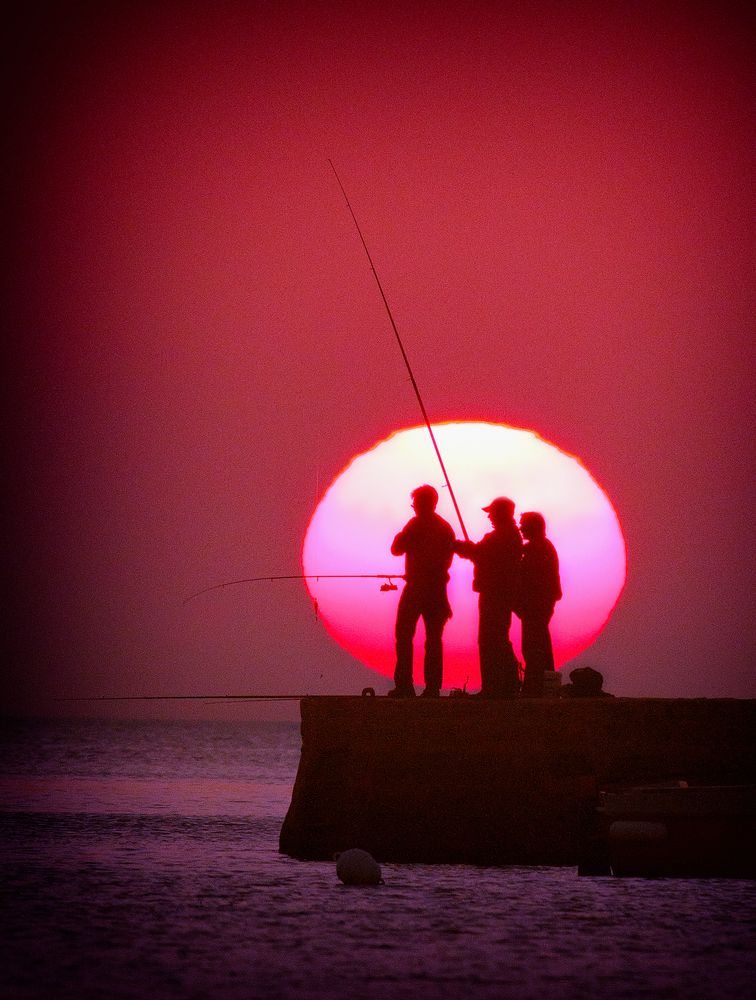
214,697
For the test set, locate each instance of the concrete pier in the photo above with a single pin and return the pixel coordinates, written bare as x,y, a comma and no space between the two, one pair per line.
494,782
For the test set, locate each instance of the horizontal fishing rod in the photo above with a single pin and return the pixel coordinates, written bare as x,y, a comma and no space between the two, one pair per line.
303,576
404,355
196,697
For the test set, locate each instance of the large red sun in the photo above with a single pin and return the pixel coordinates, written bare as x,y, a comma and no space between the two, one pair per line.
353,526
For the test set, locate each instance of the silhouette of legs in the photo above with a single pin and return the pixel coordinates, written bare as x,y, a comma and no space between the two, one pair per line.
407,615
537,650
498,664
433,665
412,607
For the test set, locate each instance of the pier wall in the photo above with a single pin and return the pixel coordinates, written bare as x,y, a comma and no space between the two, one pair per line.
494,782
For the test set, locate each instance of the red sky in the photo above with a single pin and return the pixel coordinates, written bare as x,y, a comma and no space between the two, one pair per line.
559,203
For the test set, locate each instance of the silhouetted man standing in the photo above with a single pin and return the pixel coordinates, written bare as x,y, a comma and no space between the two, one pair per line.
539,592
496,558
427,541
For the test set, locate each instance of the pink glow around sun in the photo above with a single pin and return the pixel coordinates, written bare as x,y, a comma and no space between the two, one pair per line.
369,502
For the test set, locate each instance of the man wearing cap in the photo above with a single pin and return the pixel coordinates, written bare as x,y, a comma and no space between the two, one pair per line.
496,558
539,592
427,542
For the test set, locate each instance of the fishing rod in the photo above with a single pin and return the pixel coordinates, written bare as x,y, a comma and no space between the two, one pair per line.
196,697
367,692
404,355
305,576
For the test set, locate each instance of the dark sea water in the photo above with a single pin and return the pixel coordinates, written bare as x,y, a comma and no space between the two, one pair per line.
140,859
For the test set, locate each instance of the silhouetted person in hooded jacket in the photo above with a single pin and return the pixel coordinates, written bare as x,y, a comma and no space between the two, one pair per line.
496,558
427,542
540,589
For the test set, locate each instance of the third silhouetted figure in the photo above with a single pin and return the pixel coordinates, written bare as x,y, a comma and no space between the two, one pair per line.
496,558
427,542
539,592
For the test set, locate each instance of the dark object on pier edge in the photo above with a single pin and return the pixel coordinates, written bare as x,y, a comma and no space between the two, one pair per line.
585,682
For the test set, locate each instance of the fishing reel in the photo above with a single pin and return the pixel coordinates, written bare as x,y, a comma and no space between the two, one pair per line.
388,586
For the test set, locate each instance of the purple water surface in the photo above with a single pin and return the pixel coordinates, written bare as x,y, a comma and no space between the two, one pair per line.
140,860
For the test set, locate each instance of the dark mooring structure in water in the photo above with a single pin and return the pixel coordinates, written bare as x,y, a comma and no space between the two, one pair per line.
462,780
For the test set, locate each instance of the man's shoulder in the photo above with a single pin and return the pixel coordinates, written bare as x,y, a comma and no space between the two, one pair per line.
433,519
540,550
503,539
433,524
443,525
541,545
489,538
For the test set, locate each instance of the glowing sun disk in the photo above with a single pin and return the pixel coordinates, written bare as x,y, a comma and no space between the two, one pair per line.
367,504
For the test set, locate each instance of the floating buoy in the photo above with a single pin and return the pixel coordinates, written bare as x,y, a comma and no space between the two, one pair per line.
357,867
